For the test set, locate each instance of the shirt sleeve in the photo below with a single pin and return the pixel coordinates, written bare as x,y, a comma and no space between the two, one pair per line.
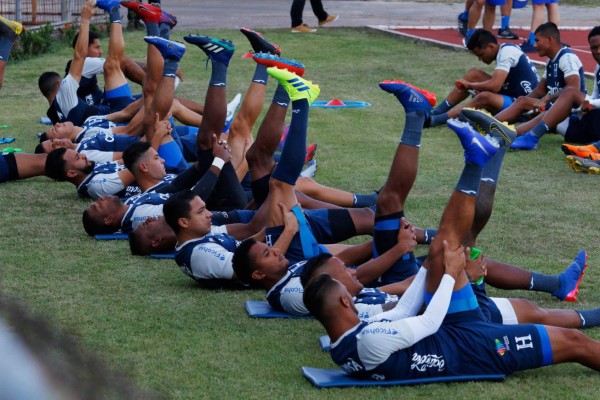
105,185
216,229
67,94
93,66
508,57
211,261
569,64
595,94
410,303
292,303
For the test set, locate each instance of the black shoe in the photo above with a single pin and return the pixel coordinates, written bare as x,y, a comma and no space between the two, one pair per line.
506,33
259,43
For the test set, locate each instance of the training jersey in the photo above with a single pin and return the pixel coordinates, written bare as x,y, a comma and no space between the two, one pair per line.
89,90
104,180
142,207
67,106
164,182
101,148
93,126
208,258
563,65
522,76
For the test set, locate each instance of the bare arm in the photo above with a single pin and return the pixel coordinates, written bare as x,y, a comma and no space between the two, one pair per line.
81,46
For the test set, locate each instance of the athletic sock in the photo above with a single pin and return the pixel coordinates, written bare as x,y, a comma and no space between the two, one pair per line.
413,128
152,29
469,33
504,21
439,119
531,38
540,129
468,183
170,67
294,151
364,200
429,235
218,76
589,318
491,171
115,14
544,283
464,15
6,46
164,30
260,74
281,97
443,107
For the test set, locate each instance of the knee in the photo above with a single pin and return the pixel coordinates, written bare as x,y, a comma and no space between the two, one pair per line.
363,219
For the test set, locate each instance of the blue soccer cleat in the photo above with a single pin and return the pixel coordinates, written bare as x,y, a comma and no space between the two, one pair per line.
107,5
411,97
218,50
527,141
169,49
571,278
478,149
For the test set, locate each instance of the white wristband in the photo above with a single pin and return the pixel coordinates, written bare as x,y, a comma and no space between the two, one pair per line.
218,162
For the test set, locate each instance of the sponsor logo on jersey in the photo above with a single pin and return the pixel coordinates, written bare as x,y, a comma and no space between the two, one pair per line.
292,290
212,252
431,361
500,349
380,330
526,85
351,366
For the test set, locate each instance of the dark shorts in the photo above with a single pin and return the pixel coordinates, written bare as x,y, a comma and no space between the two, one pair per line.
585,130
232,217
8,168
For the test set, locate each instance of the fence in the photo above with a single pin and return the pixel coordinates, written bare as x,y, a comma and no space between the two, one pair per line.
39,12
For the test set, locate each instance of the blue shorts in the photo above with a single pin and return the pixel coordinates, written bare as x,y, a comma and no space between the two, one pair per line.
8,168
543,1
585,130
232,217
119,98
496,2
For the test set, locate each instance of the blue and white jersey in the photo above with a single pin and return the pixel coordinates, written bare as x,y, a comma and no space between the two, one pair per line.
67,106
563,65
142,207
522,76
104,180
165,181
209,257
89,90
596,92
101,148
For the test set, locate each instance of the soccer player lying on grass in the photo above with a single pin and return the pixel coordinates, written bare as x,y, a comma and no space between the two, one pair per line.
16,166
514,76
398,344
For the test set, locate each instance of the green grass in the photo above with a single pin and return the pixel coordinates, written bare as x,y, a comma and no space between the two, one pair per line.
146,318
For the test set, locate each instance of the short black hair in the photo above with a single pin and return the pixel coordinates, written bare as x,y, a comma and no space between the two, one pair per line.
594,32
55,165
315,293
47,82
549,29
241,261
480,39
178,206
39,149
132,154
92,36
43,137
96,226
312,266
136,245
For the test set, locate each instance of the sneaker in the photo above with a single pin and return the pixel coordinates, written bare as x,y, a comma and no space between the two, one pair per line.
311,150
297,88
310,170
528,141
579,151
259,43
329,20
486,124
169,49
270,60
167,18
107,5
527,47
411,97
594,156
465,40
10,29
303,28
147,12
506,33
219,50
463,21
478,149
232,107
586,165
571,278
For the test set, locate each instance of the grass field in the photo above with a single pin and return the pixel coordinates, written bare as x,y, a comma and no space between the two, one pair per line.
146,318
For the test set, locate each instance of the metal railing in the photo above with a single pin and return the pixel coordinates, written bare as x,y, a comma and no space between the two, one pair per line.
39,12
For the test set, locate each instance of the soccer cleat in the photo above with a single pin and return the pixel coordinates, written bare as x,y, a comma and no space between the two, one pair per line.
478,149
329,20
167,18
259,43
218,50
571,278
107,5
586,165
411,97
10,29
463,20
527,141
310,170
579,151
297,88
270,60
486,124
169,49
506,33
311,150
527,47
594,156
303,28
147,12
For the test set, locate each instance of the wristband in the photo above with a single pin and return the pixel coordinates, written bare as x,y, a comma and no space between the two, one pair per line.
218,162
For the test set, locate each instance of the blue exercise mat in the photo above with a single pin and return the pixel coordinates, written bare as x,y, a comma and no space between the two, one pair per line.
262,309
329,378
335,104
165,256
112,236
325,343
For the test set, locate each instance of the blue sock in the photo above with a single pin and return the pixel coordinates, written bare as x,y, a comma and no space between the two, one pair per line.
294,151
469,32
115,14
504,21
589,318
218,76
6,46
413,128
540,129
531,38
281,97
464,15
544,283
439,119
429,235
152,29
443,107
468,183
164,31
462,300
491,171
364,200
171,153
170,67
260,75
